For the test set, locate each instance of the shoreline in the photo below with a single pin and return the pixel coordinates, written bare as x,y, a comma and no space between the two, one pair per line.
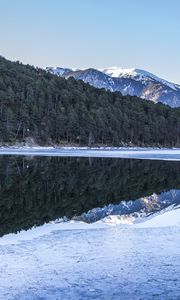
170,154
84,147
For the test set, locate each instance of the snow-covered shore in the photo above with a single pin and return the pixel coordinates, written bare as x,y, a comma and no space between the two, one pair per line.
138,153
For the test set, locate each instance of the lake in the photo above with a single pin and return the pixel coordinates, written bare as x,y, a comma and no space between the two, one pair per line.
78,220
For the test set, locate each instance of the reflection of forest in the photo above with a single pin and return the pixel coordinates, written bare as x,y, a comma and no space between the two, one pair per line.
40,189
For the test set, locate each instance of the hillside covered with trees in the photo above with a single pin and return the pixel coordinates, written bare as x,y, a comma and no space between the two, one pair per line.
36,104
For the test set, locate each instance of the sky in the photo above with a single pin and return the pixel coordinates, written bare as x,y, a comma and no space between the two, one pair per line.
93,33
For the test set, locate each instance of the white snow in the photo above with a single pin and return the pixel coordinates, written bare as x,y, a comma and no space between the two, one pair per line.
56,70
138,153
47,229
117,220
168,218
119,72
137,74
60,70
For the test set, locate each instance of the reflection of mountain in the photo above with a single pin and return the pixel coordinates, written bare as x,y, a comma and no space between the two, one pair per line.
133,211
41,189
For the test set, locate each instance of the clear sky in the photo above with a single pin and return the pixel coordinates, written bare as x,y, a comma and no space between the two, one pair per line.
93,33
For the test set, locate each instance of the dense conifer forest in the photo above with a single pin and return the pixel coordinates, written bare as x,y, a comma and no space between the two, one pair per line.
36,104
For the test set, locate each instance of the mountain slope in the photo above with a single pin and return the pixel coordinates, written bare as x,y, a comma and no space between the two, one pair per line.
50,109
134,82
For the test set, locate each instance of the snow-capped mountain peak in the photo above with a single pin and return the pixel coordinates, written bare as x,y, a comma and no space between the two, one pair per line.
128,81
59,71
119,72
138,75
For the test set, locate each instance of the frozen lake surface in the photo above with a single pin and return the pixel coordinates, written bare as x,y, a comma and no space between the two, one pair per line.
109,262
141,153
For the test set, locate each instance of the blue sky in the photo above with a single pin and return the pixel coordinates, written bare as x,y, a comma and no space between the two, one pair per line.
93,33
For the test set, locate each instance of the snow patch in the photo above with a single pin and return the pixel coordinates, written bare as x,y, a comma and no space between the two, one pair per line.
167,219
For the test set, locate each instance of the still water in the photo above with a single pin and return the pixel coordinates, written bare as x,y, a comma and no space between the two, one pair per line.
35,190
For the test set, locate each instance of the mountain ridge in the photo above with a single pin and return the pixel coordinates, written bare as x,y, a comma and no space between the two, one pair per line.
132,81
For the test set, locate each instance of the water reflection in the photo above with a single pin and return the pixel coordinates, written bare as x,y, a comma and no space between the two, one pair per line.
133,211
34,190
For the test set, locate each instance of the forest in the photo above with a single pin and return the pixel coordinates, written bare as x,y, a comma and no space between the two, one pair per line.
51,110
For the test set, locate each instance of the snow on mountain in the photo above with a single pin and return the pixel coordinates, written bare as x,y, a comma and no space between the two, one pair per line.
137,74
133,82
58,70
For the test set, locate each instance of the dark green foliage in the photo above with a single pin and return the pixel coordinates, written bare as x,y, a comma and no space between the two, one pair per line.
41,189
34,103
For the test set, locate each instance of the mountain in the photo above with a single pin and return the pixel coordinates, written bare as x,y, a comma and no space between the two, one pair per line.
134,82
59,71
38,106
